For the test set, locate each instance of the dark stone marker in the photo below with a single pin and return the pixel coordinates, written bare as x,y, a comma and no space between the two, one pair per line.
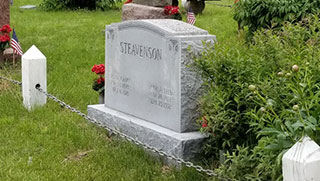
4,12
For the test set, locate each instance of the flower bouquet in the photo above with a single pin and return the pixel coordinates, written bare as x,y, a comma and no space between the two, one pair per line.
98,83
173,11
4,39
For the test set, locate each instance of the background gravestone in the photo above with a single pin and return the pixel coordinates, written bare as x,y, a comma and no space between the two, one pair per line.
4,12
146,9
155,3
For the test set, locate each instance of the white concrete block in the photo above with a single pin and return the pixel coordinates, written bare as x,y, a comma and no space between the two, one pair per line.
302,161
184,2
34,72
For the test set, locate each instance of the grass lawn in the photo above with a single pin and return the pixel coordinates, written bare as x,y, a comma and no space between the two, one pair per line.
51,143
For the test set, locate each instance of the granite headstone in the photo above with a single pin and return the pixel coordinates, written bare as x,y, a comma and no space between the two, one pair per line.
147,73
147,9
134,11
151,93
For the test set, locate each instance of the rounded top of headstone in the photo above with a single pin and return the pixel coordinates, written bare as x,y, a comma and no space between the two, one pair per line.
166,27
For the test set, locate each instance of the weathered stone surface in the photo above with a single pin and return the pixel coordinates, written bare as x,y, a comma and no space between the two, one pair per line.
133,11
4,12
147,74
182,145
155,3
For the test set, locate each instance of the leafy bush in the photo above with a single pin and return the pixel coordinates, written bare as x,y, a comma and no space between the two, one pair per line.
256,14
79,4
262,98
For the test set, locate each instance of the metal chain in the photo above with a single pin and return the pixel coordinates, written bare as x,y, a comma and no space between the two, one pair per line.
129,138
12,81
126,137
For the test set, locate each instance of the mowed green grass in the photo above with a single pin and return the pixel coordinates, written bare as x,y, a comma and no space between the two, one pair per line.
51,143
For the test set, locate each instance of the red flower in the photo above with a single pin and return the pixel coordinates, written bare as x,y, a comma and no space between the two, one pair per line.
205,122
98,69
174,10
6,28
4,38
167,9
100,80
171,10
128,1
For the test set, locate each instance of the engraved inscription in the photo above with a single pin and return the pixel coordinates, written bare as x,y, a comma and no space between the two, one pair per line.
110,34
141,51
120,84
173,45
160,96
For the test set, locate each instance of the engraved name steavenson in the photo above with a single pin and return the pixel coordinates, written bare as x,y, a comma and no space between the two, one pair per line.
141,51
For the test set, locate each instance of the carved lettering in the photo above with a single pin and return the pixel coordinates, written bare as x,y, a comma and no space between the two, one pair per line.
120,84
160,96
141,51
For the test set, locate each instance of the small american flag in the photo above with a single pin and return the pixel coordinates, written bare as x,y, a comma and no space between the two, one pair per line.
191,19
15,44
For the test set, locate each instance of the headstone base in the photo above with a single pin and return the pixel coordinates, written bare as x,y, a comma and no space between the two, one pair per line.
134,11
183,145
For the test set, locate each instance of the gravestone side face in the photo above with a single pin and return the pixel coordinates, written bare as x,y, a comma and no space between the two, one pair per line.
154,3
147,74
4,12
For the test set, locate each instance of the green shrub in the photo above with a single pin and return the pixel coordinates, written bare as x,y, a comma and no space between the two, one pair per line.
262,98
79,4
256,14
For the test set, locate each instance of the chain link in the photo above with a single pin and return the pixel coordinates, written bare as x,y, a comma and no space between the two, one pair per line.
12,81
126,137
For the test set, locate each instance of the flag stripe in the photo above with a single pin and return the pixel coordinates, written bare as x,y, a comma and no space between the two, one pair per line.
15,44
16,47
191,19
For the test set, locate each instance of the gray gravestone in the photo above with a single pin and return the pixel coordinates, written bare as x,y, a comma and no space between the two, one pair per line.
146,72
150,92
132,11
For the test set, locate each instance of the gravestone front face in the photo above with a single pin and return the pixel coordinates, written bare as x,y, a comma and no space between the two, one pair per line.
146,72
4,12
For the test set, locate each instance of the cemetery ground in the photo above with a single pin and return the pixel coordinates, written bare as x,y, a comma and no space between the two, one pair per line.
51,143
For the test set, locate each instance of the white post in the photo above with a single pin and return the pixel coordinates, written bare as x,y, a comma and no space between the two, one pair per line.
34,73
302,161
